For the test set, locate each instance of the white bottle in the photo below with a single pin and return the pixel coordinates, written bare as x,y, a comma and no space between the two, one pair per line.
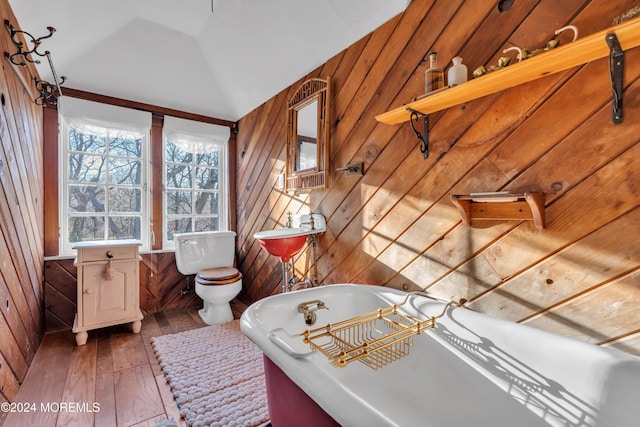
457,74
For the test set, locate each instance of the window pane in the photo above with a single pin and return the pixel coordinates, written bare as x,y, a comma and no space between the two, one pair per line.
207,224
86,198
125,144
175,153
123,171
125,199
206,179
207,203
124,227
86,168
178,202
88,142
178,225
211,158
86,228
178,176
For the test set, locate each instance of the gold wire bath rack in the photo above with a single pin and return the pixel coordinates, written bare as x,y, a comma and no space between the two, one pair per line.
376,338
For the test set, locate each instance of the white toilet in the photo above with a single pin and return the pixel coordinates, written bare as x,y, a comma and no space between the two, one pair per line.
210,256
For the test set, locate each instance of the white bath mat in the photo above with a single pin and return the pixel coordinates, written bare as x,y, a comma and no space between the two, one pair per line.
215,374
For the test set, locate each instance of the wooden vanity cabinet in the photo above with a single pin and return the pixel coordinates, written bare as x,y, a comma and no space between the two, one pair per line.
108,286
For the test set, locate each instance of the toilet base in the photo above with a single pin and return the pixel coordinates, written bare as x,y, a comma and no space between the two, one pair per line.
212,314
215,301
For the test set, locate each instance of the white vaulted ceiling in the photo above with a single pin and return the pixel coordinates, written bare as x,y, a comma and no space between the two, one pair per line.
219,58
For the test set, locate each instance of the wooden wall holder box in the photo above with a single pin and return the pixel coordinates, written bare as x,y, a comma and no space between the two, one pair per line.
501,206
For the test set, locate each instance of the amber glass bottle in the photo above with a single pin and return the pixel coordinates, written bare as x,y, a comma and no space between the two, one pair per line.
434,76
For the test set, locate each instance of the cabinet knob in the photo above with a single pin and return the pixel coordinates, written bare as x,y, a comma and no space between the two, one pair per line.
88,291
109,254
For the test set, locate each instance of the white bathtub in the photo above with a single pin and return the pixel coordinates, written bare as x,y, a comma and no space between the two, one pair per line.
472,370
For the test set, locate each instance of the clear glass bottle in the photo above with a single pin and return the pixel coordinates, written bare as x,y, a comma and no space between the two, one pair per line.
458,73
434,76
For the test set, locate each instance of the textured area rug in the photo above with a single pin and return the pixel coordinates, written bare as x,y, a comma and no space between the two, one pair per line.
215,374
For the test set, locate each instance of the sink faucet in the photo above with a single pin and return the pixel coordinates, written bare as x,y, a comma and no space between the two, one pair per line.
311,221
289,220
309,308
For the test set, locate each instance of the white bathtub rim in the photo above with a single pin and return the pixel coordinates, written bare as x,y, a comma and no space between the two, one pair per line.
345,406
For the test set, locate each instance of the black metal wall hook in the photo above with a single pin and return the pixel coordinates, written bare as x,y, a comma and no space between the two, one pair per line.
25,55
49,92
424,138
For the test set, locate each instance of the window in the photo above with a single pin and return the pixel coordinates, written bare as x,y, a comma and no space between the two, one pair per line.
195,177
103,173
105,164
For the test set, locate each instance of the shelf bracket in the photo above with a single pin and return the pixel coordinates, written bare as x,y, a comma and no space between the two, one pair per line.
616,73
424,137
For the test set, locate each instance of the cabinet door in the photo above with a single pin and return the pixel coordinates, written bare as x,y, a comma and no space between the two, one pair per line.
109,300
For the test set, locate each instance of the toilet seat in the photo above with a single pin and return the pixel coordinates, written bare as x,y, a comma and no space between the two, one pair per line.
218,276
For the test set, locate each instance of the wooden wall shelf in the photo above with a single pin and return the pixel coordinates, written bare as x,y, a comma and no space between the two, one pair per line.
581,51
501,206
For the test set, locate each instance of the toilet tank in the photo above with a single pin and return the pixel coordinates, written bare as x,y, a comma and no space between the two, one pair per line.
207,249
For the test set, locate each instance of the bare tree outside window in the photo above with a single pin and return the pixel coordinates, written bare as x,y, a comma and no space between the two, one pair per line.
192,187
105,184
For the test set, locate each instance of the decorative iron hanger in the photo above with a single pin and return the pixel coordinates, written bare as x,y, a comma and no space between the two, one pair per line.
49,92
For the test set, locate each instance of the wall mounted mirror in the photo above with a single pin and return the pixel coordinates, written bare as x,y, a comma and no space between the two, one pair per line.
307,164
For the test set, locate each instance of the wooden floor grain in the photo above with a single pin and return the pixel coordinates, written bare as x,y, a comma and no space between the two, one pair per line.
114,380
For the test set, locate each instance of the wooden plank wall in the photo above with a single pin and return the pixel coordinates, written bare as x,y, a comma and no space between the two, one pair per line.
161,286
21,220
396,226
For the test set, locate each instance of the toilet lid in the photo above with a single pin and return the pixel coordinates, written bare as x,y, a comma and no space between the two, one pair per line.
218,276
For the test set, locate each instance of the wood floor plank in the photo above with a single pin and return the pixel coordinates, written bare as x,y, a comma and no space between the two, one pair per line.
180,321
150,422
43,384
79,388
170,406
196,317
150,330
105,384
116,369
137,395
128,351
163,323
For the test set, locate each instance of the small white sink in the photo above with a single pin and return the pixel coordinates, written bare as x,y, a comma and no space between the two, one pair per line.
282,233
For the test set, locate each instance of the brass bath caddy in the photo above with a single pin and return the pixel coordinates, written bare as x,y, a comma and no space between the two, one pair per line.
376,338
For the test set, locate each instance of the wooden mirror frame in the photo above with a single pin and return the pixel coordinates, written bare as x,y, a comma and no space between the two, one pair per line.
317,177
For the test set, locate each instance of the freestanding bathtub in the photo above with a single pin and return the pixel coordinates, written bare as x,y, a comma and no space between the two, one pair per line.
471,370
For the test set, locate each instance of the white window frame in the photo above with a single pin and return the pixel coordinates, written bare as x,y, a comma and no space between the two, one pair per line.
200,135
107,117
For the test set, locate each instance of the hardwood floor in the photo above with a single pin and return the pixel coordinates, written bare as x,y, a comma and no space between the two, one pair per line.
113,380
